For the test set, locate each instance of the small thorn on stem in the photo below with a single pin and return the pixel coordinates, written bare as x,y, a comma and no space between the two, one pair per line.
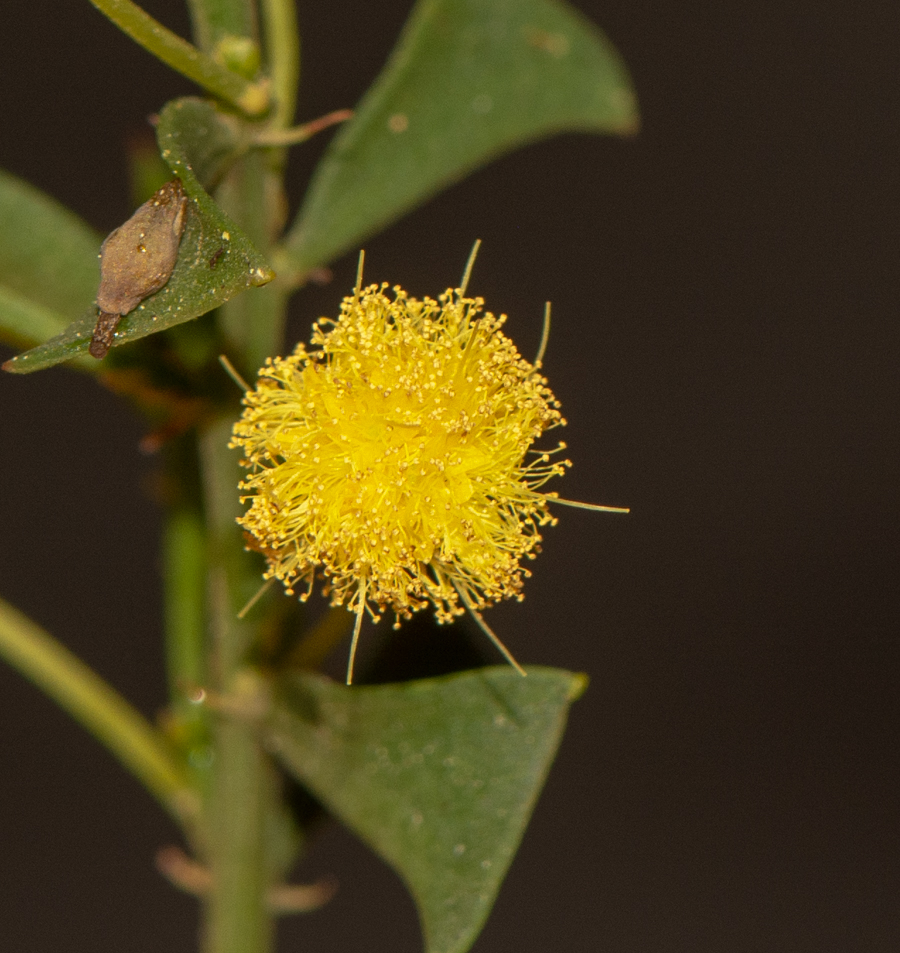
298,134
186,874
193,878
302,898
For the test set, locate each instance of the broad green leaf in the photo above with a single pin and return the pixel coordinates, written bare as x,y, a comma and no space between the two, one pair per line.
438,776
216,261
48,263
468,81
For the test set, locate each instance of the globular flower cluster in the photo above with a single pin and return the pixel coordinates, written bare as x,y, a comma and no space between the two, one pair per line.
393,458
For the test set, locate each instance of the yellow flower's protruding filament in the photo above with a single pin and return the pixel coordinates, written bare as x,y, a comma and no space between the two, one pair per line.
394,459
470,264
359,274
488,631
263,589
545,337
553,498
233,374
354,642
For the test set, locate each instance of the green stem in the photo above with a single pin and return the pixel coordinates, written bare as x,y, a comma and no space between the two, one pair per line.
238,919
98,707
184,558
251,98
283,53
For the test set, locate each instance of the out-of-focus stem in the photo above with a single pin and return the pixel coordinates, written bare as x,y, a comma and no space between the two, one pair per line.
238,919
184,559
283,57
251,98
99,708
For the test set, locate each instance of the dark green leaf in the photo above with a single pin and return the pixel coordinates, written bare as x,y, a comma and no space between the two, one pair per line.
438,776
48,263
199,142
468,80
216,261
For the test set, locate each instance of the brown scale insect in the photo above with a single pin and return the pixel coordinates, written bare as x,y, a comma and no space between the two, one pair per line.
137,259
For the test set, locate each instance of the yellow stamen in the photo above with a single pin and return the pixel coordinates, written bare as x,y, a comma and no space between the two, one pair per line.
394,459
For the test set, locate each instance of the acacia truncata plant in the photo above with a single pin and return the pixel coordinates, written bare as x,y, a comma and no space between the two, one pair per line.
397,459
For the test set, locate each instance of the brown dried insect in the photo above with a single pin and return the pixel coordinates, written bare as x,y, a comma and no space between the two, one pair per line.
137,259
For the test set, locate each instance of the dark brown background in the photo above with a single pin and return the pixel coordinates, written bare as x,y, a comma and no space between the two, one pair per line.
725,348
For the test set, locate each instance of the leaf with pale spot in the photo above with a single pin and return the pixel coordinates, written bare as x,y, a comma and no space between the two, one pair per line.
216,261
438,776
468,81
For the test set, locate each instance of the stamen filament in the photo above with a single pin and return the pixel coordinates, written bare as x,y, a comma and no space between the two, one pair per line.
545,337
588,506
488,631
394,458
470,264
231,371
354,642
263,589
359,273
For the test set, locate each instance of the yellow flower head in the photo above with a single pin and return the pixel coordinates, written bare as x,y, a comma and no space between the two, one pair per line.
394,457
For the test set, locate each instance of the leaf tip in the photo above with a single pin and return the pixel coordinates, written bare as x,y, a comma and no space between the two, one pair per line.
261,275
630,128
578,686
624,102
